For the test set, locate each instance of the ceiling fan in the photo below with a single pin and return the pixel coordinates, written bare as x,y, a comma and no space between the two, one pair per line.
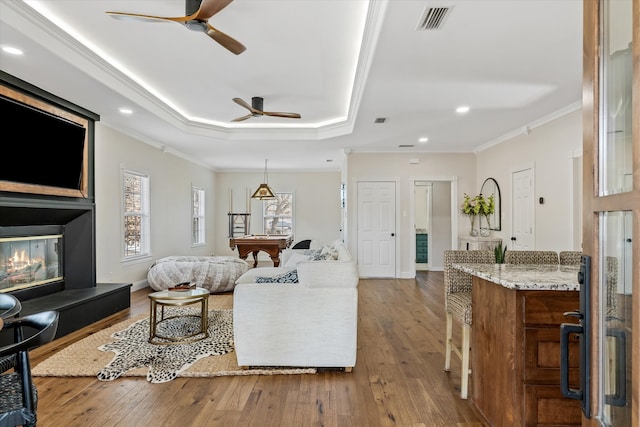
256,110
195,21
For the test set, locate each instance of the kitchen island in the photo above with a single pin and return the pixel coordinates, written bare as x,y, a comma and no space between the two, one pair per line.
515,344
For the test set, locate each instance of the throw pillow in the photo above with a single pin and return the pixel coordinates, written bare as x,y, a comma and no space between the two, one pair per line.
327,252
295,258
288,277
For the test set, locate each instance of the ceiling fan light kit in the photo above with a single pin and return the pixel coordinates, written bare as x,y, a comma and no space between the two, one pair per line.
197,26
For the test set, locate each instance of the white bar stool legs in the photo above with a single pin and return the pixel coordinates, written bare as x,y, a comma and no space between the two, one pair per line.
463,353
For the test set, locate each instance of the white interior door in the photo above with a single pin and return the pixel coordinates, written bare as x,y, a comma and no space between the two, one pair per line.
376,229
522,210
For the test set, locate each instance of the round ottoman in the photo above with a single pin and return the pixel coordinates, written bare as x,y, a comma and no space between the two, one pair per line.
215,273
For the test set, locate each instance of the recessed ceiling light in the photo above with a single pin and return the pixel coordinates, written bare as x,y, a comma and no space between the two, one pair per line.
12,50
462,109
126,110
423,139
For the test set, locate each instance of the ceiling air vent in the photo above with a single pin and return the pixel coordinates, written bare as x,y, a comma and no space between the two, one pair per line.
432,18
380,120
405,146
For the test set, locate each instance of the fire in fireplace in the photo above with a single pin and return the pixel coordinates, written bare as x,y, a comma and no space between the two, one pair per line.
30,261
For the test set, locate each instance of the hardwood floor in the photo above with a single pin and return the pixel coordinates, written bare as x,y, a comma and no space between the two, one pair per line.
398,379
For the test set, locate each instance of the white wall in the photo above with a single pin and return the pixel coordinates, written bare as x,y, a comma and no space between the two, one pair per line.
318,214
171,179
549,149
396,167
317,210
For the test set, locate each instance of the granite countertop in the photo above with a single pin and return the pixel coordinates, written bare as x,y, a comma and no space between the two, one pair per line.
526,276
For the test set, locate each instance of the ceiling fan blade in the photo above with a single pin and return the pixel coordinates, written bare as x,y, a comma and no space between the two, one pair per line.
239,119
146,18
226,41
287,115
242,103
208,8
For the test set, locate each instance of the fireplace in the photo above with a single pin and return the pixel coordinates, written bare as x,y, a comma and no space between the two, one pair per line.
28,261
47,228
47,260
58,238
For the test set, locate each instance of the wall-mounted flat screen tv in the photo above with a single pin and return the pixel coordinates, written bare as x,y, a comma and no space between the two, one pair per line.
45,150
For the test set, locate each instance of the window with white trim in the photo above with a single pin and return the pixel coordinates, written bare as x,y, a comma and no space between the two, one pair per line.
197,216
277,214
135,203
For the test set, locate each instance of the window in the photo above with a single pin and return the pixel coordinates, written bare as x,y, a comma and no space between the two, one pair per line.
135,193
278,214
197,216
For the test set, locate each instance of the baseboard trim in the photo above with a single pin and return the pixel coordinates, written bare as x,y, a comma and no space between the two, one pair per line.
139,285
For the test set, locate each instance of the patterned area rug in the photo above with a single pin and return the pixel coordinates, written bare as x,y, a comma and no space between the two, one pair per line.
133,350
135,356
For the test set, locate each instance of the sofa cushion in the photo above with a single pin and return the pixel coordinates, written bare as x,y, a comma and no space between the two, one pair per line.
343,253
295,257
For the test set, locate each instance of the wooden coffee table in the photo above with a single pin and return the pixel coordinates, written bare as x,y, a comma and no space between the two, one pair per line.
180,298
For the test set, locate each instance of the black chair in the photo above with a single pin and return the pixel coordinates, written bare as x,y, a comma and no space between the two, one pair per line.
9,307
302,244
18,394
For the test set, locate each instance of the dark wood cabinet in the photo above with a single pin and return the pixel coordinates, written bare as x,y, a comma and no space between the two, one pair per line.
515,356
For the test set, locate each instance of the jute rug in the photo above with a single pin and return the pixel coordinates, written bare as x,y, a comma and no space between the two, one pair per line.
123,350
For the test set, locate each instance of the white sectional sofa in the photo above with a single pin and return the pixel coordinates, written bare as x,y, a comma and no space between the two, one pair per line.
312,323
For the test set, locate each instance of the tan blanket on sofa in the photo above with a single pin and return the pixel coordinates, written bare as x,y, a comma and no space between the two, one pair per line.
215,273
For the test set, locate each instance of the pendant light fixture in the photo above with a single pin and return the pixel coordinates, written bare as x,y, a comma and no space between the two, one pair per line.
264,192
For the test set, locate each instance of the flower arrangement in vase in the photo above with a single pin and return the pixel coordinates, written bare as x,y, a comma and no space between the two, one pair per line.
487,208
475,206
471,207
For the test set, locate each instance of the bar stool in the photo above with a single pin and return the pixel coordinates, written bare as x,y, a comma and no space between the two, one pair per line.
570,257
531,257
457,301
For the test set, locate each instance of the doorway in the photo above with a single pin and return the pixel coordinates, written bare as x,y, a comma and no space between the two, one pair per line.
423,194
434,226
